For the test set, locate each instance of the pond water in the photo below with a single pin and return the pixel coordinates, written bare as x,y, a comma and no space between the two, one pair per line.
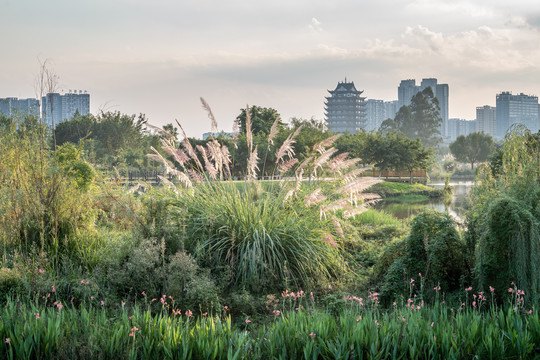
456,207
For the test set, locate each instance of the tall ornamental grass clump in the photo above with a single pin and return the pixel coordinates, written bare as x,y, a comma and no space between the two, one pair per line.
504,222
261,241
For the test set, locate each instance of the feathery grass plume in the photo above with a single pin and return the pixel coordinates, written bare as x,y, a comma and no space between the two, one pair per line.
226,158
297,185
161,132
286,148
287,165
159,158
207,163
348,177
252,166
249,135
337,226
357,185
214,127
196,176
179,156
303,165
321,146
187,145
315,197
169,184
346,164
334,206
321,160
214,149
289,194
337,160
273,132
370,196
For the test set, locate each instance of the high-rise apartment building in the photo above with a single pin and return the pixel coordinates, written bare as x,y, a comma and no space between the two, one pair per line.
13,106
63,107
377,111
408,88
486,120
345,109
516,109
457,127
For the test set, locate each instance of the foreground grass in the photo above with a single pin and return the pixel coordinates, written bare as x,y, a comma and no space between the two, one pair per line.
30,331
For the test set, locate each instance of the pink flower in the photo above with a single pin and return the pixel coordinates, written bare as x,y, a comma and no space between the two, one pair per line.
54,303
312,335
91,298
143,293
311,295
394,304
49,295
41,271
72,300
36,315
474,303
412,281
276,312
248,321
102,303
87,282
53,289
131,317
154,299
226,307
123,303
530,312
435,338
491,289
359,318
432,324
510,290
469,288
82,282
8,340
189,313
204,314
59,306
420,274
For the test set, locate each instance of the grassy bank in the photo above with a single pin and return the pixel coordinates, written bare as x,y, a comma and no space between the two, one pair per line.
404,191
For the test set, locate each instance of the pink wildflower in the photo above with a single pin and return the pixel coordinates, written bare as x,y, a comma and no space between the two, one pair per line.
359,318
123,303
189,313
143,293
474,303
312,335
53,289
432,324
204,314
412,281
394,304
154,299
8,340
41,271
102,303
420,274
510,290
91,298
226,307
82,282
87,282
36,315
248,321
530,312
60,306
491,289
469,288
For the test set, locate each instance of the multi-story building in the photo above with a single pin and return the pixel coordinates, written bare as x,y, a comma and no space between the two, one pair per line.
63,107
377,111
408,88
516,109
457,127
13,106
486,120
345,109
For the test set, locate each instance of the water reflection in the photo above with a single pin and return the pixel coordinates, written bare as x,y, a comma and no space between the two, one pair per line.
456,207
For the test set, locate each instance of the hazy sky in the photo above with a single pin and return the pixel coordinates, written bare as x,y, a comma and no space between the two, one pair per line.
158,57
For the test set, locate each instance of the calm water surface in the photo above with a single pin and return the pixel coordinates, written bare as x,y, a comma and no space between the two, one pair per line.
456,208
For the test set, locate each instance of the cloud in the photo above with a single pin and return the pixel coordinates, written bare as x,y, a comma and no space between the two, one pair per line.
315,26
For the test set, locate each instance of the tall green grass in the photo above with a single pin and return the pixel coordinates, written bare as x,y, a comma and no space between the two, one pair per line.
357,332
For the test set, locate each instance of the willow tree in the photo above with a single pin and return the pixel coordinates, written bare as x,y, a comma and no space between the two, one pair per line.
504,222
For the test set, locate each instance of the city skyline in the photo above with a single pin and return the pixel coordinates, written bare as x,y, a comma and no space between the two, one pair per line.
159,58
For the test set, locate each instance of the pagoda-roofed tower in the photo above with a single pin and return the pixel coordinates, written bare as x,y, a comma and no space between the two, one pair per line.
345,109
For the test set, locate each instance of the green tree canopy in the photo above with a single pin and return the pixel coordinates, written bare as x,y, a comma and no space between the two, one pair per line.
420,120
475,147
262,120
